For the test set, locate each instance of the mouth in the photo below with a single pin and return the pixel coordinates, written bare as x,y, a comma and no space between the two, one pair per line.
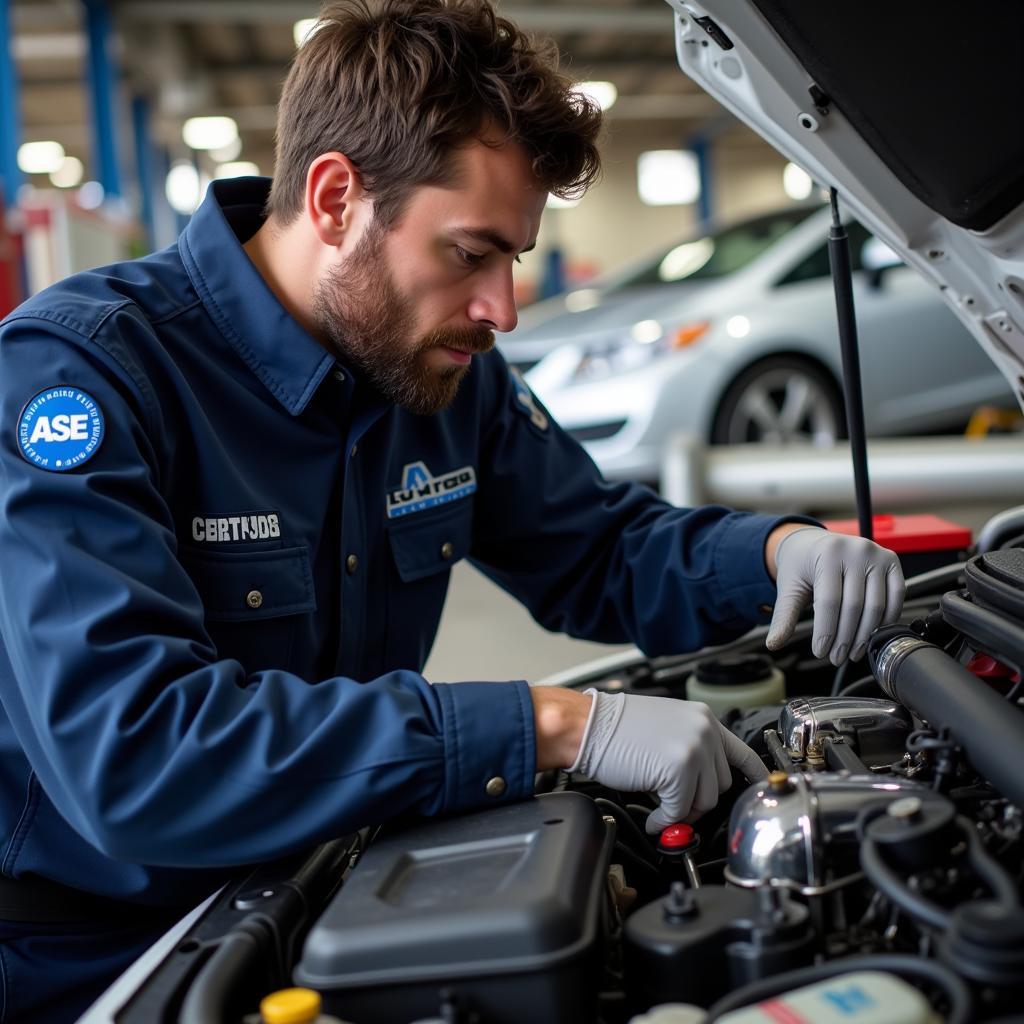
457,355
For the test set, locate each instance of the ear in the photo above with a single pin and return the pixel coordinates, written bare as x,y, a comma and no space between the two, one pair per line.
334,197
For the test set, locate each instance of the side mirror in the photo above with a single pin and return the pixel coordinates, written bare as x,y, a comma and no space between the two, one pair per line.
875,259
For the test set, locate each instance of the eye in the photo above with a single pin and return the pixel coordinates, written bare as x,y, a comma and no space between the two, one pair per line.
471,259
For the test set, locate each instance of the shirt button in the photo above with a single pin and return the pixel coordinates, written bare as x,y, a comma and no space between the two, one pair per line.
338,375
447,550
254,599
765,609
355,448
352,563
496,786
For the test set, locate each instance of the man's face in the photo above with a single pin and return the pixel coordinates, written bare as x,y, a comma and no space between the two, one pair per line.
408,307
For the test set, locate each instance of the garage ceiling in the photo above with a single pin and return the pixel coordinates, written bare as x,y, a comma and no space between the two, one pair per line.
193,57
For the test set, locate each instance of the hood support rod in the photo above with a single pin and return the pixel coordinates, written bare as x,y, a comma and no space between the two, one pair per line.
842,282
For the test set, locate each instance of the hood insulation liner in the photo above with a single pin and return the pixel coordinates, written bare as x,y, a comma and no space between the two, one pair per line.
936,89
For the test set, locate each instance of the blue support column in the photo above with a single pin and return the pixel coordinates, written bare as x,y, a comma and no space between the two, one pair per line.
144,165
10,115
701,148
103,89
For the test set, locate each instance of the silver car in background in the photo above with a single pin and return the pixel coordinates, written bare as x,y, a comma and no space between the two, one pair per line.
732,338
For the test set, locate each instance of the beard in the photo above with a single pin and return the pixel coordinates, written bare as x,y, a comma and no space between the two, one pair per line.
368,323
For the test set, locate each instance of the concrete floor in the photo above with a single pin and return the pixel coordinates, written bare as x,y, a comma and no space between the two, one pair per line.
485,634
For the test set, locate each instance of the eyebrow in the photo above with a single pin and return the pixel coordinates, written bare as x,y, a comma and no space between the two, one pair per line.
489,237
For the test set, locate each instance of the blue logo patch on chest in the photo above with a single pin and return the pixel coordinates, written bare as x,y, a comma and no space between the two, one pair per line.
421,490
60,428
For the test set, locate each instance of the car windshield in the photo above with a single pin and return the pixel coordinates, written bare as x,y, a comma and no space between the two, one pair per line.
716,254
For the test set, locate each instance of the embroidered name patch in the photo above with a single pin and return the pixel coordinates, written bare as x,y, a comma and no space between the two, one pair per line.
60,428
245,526
422,490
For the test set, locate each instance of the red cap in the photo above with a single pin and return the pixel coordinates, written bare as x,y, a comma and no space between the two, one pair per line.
675,837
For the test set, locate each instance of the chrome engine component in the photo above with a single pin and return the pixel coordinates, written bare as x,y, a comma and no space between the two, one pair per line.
878,726
790,831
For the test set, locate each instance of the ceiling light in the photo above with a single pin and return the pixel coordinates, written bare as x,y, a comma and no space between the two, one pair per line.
303,29
182,187
237,169
604,94
40,157
796,182
69,174
209,132
666,177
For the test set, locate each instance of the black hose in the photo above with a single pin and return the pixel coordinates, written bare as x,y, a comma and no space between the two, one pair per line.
866,684
986,867
961,1004
218,979
897,892
626,820
937,688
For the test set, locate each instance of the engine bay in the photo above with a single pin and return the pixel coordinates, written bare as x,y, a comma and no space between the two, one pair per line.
884,849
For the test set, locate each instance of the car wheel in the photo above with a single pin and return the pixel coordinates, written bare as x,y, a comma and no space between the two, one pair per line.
781,400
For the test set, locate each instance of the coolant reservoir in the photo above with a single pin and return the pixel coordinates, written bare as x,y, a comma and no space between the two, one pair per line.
294,1006
864,997
736,681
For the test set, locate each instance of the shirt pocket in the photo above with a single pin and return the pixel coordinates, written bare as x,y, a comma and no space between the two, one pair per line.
424,547
253,601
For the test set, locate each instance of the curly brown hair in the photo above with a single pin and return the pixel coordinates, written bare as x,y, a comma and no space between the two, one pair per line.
398,85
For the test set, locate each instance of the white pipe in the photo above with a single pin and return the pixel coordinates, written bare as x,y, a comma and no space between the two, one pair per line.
904,473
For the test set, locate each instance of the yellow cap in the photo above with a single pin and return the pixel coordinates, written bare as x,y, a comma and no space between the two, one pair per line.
291,1006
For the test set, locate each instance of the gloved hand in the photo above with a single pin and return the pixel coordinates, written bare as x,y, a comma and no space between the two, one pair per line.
674,748
856,586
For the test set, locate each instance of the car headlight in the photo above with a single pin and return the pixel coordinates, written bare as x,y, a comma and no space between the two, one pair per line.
644,342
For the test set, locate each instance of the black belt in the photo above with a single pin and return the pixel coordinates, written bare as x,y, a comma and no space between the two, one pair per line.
40,900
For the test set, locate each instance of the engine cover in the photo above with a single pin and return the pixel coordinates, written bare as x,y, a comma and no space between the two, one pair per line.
502,907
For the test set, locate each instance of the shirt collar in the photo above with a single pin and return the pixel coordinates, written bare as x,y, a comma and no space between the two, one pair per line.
273,345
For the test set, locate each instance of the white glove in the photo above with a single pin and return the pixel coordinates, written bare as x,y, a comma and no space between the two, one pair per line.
856,587
674,748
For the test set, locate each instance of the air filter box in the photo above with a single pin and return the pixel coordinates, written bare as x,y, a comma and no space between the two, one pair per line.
501,907
922,542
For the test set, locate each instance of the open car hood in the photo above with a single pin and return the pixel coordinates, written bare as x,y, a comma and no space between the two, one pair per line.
911,111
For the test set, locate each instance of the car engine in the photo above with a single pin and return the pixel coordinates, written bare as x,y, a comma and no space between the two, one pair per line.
881,860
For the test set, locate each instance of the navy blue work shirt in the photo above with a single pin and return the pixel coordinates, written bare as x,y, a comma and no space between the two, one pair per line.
224,560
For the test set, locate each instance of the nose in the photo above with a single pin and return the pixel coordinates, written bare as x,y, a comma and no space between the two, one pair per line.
493,304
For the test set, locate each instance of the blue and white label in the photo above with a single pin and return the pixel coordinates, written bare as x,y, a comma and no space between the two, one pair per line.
60,428
422,490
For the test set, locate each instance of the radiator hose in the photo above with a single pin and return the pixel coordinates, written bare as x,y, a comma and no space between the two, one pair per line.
937,688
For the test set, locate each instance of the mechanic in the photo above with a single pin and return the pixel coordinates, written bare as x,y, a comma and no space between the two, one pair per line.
236,474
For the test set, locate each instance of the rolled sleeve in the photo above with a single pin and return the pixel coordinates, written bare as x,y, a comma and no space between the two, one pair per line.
489,743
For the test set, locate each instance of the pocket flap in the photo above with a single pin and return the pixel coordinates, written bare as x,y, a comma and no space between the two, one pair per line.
251,585
433,543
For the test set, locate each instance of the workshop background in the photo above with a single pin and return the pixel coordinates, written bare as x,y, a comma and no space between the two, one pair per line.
116,114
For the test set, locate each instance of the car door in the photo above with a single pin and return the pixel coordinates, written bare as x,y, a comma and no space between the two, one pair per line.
921,369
